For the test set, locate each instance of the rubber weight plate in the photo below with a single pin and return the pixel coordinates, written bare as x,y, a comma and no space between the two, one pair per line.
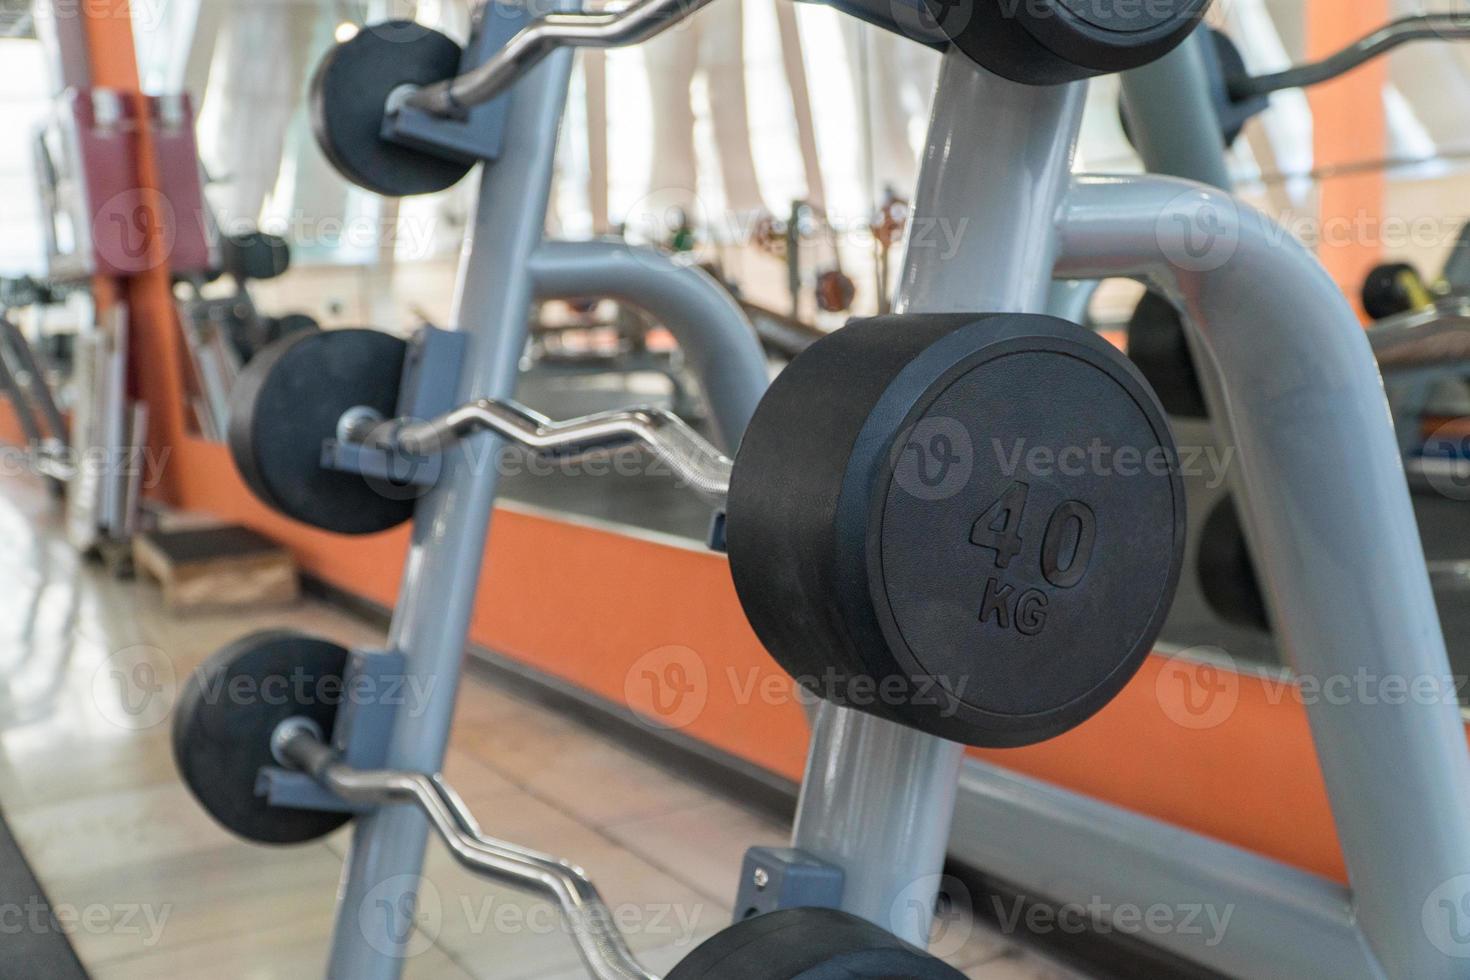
1227,573
1156,343
1048,42
349,96
254,255
226,716
972,525
809,944
288,401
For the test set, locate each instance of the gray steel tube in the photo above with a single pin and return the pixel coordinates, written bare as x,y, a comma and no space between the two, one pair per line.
431,620
1328,511
1172,116
878,798
712,330
1228,909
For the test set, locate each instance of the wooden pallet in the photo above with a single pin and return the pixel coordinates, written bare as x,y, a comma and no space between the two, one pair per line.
226,567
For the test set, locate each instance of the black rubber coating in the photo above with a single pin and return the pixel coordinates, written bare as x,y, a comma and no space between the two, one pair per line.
287,403
226,716
251,335
1157,345
1227,575
1234,114
901,544
1049,42
350,91
254,256
809,944
1384,295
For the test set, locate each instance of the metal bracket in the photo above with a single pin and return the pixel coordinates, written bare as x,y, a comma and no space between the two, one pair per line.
372,692
774,878
430,383
427,390
476,133
394,468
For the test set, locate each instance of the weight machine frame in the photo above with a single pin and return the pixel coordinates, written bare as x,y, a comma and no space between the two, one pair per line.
1286,369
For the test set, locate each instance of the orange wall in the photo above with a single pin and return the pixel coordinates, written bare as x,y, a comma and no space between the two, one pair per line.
1349,127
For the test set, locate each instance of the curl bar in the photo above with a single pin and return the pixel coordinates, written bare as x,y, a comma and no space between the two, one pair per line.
599,942
1421,27
526,49
662,433
1028,52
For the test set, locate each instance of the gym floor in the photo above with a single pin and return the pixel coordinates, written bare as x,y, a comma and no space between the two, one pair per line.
148,886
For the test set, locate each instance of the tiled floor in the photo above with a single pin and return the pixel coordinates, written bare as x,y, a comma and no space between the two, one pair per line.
88,786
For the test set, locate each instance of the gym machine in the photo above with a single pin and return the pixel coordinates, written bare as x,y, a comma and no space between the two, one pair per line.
1182,113
876,535
1207,93
88,456
222,333
28,381
833,291
1422,340
95,225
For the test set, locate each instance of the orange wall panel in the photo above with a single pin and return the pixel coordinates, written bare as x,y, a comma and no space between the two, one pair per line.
1349,127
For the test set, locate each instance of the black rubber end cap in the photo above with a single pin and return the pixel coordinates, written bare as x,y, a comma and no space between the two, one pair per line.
226,715
287,403
809,944
349,96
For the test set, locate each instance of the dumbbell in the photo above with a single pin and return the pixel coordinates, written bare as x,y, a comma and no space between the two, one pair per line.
360,90
1049,42
971,525
265,708
1394,288
968,524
